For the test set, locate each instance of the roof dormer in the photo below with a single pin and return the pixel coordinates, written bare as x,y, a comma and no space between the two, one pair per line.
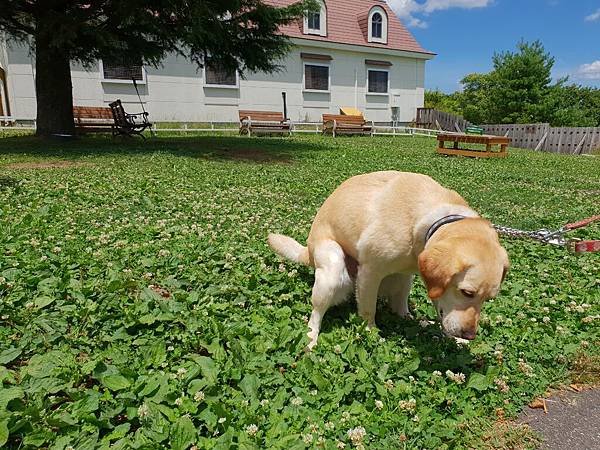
316,22
378,25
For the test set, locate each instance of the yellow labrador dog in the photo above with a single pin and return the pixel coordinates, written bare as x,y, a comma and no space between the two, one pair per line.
375,231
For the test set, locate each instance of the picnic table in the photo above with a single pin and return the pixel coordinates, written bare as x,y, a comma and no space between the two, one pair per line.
486,139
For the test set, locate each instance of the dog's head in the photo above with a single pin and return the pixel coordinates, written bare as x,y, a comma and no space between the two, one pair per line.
462,266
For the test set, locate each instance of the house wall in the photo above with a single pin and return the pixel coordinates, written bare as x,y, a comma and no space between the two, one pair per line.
176,91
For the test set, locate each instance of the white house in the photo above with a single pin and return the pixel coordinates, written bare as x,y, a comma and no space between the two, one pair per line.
353,53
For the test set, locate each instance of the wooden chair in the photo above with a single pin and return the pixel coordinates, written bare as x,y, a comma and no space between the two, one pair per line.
263,122
93,119
128,124
335,124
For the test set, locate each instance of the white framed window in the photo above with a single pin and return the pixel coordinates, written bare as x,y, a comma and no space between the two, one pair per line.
121,72
216,75
316,77
316,22
378,82
378,25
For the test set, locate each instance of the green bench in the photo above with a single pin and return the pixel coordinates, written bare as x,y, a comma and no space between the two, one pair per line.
472,129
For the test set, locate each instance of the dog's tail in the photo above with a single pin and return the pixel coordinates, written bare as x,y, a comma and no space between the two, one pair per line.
289,248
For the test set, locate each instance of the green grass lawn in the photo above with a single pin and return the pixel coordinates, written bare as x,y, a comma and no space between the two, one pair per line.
140,306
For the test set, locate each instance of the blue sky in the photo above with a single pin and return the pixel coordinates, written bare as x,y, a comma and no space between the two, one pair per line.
466,33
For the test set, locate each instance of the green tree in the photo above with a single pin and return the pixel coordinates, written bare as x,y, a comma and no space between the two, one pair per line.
241,34
519,84
475,101
573,106
443,102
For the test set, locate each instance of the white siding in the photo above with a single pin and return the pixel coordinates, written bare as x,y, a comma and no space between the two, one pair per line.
176,91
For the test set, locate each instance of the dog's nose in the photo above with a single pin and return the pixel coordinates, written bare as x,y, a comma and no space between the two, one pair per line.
469,334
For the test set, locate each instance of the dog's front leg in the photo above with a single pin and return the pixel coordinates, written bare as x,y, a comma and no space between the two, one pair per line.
367,286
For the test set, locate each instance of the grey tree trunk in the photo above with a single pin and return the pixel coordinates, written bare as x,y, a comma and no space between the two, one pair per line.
54,91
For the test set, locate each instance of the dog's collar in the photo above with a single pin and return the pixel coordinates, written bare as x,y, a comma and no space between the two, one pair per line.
441,222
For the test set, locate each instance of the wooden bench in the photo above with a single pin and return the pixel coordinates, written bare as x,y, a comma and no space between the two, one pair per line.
488,140
335,124
89,119
263,122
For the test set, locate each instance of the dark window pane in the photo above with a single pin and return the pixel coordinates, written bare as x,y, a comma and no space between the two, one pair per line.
219,75
377,26
316,77
314,21
378,81
115,70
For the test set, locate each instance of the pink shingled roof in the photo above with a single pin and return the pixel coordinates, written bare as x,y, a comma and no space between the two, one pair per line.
347,24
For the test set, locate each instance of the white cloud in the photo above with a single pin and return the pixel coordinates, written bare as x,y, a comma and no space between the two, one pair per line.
589,71
406,9
593,17
437,5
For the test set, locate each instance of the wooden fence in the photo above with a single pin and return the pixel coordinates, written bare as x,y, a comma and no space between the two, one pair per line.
433,119
540,136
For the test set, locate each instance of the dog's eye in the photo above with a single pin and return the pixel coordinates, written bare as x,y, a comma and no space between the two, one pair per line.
467,293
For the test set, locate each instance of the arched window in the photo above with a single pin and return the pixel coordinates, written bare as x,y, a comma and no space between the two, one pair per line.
378,25
316,22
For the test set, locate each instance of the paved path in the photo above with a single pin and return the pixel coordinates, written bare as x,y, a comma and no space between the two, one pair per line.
572,422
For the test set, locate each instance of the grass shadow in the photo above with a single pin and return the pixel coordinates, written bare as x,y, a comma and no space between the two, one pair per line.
253,150
436,351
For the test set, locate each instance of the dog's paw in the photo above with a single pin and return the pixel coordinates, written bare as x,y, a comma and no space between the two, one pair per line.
461,341
406,316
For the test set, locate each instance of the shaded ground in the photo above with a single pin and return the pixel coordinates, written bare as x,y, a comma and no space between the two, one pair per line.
572,421
47,165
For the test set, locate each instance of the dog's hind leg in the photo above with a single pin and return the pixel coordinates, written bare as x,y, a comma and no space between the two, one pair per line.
332,284
396,288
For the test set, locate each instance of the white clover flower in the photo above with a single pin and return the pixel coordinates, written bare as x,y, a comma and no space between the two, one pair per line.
337,349
340,445
436,373
379,404
546,319
181,372
307,438
389,384
501,385
199,396
408,405
329,426
143,411
297,401
179,401
252,429
357,435
458,378
264,402
416,418
222,419
526,368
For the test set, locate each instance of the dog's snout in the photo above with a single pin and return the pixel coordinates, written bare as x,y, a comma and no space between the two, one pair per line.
469,334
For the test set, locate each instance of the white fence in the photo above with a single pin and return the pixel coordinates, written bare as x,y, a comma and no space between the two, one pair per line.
10,123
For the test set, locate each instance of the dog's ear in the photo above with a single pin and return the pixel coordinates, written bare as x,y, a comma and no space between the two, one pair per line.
437,267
